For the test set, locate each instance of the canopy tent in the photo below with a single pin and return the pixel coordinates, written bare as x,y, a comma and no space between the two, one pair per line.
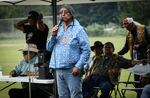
59,2
54,3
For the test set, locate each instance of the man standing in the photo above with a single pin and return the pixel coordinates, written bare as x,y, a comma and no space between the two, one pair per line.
137,41
70,52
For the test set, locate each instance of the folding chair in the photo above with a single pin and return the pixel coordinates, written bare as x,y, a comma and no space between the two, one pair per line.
128,82
115,89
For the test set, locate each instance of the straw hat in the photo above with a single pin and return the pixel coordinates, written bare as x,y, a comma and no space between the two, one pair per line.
30,47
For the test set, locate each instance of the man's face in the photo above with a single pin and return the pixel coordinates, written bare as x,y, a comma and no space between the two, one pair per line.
65,14
108,49
26,57
128,26
98,50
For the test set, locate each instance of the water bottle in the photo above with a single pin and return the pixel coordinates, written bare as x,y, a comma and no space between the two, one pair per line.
134,54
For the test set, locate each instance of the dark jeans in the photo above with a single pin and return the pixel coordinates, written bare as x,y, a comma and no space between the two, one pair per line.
102,82
137,78
23,93
36,92
139,53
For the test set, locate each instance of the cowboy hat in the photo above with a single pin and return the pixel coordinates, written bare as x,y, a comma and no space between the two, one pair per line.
30,47
97,44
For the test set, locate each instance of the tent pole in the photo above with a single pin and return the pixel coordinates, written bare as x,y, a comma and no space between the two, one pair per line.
54,11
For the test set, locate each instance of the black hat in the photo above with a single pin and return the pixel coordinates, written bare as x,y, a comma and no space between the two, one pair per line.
110,44
97,44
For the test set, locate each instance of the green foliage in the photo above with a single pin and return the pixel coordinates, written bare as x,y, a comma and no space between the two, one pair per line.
17,11
101,13
88,14
95,30
138,10
110,29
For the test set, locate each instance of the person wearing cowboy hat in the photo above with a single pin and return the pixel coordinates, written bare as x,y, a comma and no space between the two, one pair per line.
31,59
105,72
22,69
137,40
97,48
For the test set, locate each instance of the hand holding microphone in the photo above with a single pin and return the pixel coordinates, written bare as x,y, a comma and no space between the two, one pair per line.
55,28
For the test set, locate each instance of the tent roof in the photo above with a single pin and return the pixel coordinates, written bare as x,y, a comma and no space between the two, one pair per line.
59,2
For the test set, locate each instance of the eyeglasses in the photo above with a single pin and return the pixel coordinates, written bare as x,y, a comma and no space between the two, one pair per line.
64,11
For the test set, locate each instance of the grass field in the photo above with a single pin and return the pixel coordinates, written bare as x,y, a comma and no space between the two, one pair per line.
9,56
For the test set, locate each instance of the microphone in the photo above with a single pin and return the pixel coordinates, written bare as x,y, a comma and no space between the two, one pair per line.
57,27
59,23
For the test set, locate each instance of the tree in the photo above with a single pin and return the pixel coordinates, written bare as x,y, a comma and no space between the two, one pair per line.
138,10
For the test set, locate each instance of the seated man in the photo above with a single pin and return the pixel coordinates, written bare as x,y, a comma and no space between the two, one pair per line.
105,72
146,90
26,67
97,48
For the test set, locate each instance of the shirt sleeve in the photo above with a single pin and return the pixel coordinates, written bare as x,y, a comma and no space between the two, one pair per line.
51,43
124,63
125,49
85,49
18,68
26,29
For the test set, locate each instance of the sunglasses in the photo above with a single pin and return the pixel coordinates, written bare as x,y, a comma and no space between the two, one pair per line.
25,52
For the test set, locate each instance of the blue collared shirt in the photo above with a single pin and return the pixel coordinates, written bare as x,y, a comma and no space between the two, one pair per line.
22,67
69,48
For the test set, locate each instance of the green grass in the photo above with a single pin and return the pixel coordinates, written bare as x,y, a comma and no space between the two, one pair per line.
10,56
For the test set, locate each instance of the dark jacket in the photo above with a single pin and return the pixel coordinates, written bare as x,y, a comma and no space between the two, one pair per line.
142,37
